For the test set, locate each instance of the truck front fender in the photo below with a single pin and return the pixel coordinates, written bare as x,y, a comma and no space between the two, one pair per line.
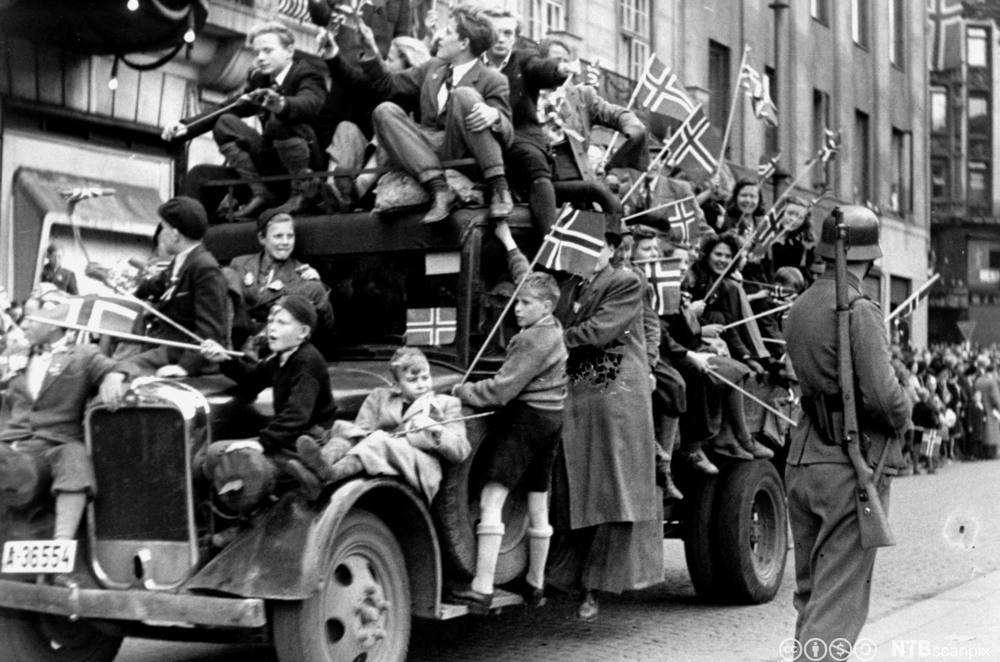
279,557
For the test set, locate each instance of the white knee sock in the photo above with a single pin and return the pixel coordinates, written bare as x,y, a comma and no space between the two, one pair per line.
538,554
489,537
69,512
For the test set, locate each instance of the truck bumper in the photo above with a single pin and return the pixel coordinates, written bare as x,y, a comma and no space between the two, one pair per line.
149,607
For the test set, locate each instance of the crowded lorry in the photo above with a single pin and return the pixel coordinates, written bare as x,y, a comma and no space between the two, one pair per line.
342,577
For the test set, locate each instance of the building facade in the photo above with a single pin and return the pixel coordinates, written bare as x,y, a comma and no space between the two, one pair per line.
858,65
965,181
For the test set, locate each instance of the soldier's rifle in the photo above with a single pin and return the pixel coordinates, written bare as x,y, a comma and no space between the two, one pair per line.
872,520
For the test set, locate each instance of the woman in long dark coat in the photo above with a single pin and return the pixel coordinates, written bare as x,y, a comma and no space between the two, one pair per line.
606,503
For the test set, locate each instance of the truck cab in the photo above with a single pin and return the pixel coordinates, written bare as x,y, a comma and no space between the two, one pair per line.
341,578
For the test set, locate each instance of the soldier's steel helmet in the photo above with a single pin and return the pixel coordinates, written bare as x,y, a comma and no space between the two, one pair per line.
862,235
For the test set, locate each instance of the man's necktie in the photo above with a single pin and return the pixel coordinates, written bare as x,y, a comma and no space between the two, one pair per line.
444,92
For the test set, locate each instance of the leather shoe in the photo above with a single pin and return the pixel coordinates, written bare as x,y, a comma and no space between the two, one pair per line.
501,203
759,450
442,203
469,596
532,595
700,462
732,449
588,609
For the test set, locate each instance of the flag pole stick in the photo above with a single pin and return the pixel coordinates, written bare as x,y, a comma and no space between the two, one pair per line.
152,310
656,160
635,93
763,404
732,106
916,295
769,311
648,211
123,335
444,422
506,309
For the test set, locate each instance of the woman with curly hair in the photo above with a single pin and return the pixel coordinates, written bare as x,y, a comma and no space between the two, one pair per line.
745,208
795,246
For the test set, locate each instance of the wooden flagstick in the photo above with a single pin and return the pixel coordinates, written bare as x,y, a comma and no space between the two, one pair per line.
506,309
123,335
916,295
650,210
744,249
770,311
763,404
737,93
635,93
444,422
152,310
774,341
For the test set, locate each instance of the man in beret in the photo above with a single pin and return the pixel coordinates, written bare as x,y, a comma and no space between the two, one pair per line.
191,291
262,278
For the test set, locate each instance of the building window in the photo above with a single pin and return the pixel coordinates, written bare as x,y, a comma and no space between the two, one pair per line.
940,174
771,132
635,31
820,122
861,23
861,166
979,185
902,172
718,84
547,16
978,47
820,10
979,119
939,110
897,34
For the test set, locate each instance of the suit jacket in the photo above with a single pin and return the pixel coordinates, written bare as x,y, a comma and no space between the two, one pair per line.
257,296
57,414
304,89
528,74
196,301
421,85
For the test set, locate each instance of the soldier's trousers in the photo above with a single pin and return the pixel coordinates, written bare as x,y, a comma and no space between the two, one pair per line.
833,573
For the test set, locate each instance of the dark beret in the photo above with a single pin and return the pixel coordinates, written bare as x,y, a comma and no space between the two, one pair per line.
300,308
186,215
271,215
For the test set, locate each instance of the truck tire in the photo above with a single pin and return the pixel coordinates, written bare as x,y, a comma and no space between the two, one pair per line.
456,509
29,636
699,548
362,609
751,543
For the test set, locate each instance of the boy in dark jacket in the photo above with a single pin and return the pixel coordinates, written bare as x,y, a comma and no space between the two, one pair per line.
244,471
530,387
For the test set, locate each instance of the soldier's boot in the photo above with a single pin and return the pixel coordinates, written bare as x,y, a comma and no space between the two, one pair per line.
294,156
261,198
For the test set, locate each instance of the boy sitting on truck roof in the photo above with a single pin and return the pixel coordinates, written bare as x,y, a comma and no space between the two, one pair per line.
404,430
244,471
530,387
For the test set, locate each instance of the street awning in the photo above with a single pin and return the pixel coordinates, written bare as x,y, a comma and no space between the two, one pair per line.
131,210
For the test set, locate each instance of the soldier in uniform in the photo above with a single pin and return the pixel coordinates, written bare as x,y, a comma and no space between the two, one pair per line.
833,572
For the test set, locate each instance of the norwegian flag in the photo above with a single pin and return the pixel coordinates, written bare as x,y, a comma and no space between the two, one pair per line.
768,231
947,34
767,166
575,243
431,326
692,146
758,88
831,146
682,214
661,92
85,193
664,277
100,313
914,301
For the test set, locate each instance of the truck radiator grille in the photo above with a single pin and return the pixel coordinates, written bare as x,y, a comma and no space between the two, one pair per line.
140,460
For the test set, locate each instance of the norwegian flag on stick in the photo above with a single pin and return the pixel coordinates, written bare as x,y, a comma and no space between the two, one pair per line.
100,313
661,92
692,148
682,213
758,88
767,167
574,244
913,301
768,231
85,193
830,148
664,277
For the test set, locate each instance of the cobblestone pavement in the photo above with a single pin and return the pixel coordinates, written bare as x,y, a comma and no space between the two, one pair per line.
947,526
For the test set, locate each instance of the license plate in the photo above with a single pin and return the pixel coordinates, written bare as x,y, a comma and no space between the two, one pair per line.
38,556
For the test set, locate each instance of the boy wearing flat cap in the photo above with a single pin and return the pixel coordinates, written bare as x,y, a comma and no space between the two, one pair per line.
191,291
244,471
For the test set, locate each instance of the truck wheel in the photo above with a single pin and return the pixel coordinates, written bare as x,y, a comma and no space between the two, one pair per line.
752,532
457,509
44,638
699,550
362,609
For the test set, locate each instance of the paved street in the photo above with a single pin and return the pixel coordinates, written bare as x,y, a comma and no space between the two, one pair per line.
947,526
